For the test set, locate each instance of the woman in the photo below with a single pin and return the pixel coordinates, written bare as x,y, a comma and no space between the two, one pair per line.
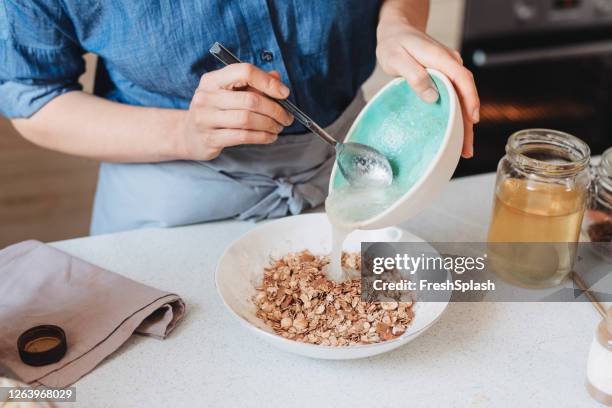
183,139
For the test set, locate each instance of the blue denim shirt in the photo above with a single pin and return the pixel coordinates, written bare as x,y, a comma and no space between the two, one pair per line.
153,53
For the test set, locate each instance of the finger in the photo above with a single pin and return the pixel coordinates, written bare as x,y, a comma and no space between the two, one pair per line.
450,51
233,137
241,75
417,76
214,153
467,150
464,83
457,56
244,119
251,101
468,143
275,74
439,57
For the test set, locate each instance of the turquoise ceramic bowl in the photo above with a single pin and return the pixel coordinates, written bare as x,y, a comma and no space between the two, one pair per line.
422,142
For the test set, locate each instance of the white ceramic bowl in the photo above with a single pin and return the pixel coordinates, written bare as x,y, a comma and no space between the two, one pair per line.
441,168
240,270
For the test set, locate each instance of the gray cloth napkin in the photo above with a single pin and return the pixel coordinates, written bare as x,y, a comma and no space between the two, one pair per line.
99,310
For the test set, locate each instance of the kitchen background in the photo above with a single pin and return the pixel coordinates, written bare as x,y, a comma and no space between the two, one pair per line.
538,63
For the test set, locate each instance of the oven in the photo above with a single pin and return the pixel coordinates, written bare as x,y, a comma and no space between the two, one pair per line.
539,64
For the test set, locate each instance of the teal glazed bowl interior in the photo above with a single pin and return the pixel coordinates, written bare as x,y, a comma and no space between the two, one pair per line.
422,141
405,129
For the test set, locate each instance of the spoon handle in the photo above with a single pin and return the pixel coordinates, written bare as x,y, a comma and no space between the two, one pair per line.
583,287
227,58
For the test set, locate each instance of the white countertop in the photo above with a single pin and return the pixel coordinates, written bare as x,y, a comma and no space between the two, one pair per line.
480,355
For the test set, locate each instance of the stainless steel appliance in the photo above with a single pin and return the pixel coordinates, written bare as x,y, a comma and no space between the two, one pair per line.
539,63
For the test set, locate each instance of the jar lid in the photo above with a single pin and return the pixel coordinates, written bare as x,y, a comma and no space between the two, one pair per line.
42,345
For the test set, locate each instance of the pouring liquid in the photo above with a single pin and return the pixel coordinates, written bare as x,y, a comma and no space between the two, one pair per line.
335,271
346,208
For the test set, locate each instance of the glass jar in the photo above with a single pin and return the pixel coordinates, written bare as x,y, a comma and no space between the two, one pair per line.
598,219
599,380
540,196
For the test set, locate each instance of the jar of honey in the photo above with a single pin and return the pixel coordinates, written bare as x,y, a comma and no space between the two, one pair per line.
541,192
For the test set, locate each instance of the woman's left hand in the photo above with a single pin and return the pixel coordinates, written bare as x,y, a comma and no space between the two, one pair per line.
405,51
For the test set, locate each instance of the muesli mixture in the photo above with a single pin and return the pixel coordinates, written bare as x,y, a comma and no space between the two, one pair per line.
299,303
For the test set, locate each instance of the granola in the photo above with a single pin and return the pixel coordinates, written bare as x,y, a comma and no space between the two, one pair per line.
299,303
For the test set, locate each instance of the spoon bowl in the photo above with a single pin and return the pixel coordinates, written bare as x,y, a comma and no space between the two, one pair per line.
363,166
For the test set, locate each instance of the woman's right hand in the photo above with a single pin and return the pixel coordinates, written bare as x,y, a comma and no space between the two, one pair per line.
229,108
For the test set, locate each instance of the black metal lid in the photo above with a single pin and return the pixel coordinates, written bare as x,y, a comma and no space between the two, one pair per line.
42,345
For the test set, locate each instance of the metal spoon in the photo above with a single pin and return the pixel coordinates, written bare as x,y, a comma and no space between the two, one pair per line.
361,165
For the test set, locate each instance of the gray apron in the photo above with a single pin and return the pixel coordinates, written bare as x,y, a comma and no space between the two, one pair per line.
248,182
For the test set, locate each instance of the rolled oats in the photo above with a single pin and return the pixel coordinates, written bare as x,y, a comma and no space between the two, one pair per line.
299,303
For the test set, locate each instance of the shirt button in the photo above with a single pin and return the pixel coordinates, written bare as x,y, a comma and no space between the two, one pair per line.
267,55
